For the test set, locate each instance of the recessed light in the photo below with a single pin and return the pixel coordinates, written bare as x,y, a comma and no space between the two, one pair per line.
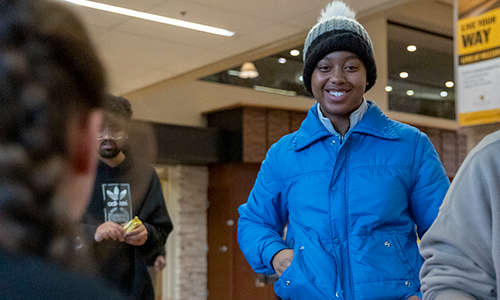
410,92
282,60
411,48
443,94
388,88
151,17
403,75
449,84
295,52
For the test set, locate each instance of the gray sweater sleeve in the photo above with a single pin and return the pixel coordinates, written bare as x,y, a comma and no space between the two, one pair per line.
461,247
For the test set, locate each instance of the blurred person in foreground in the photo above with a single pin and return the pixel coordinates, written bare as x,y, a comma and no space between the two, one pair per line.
462,247
51,88
353,188
126,187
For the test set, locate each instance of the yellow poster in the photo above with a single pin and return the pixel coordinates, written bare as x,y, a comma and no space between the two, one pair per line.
477,44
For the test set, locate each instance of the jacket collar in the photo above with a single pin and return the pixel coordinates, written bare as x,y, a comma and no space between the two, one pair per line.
374,122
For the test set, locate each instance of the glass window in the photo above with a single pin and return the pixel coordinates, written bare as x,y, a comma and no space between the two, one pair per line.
421,72
280,73
418,75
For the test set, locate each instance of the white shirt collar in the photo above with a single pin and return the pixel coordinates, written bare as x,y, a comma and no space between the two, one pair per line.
354,118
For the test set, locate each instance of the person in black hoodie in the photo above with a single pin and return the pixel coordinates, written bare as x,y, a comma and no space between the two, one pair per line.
125,187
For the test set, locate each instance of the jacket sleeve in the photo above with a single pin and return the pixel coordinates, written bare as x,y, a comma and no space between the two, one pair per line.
430,187
155,218
263,218
458,246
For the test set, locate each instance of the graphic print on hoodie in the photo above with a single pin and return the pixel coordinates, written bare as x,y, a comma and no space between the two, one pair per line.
117,202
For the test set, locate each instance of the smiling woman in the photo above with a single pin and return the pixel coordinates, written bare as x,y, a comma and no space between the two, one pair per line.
353,188
338,83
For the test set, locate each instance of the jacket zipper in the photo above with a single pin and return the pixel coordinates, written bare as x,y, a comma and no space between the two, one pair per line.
342,139
346,203
347,225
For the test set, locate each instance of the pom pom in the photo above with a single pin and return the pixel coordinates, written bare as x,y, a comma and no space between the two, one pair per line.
336,9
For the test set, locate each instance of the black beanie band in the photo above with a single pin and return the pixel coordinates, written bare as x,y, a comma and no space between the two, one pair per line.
339,40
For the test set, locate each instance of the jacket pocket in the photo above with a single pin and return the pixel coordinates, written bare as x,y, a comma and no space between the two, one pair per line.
409,254
312,273
382,265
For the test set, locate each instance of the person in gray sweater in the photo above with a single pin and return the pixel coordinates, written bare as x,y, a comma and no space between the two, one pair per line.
462,247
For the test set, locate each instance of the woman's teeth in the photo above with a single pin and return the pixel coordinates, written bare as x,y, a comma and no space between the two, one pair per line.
336,94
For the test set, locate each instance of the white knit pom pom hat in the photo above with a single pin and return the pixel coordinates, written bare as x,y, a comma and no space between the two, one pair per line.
338,30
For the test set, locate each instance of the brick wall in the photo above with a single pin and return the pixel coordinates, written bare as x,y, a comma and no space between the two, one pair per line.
185,277
451,147
263,127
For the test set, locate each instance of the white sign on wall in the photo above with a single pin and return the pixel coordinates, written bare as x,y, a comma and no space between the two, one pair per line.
477,48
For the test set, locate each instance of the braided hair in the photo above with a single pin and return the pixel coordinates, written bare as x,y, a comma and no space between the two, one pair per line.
49,74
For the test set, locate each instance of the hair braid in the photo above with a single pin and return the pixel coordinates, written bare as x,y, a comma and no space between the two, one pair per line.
48,70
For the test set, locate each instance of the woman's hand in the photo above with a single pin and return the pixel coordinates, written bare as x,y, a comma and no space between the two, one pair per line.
282,260
414,298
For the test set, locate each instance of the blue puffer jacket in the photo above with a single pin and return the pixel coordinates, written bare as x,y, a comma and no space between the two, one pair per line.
352,209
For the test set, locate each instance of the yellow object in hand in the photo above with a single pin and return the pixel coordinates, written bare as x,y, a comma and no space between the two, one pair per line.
132,224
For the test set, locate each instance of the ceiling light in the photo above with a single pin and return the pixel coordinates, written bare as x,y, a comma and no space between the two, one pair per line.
295,52
282,60
248,70
403,75
298,78
410,92
411,48
449,84
151,17
388,88
443,94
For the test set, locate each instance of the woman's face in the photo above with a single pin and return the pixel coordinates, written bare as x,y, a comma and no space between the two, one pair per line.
338,83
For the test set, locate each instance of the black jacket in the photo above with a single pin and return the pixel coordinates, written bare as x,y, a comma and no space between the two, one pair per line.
25,276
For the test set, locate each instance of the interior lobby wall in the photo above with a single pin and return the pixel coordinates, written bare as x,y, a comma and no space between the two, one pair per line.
183,100
184,103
